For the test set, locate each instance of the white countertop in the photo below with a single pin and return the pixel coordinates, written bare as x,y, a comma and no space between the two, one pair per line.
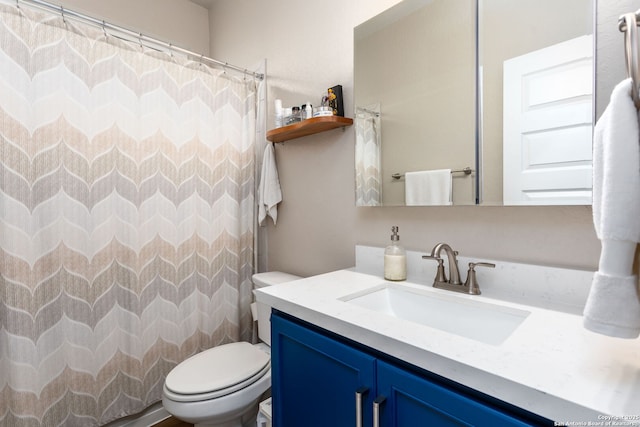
550,365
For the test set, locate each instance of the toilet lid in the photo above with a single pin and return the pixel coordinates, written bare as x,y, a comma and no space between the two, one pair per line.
217,368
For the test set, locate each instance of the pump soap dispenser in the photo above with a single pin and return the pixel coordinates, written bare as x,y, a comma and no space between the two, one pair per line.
395,258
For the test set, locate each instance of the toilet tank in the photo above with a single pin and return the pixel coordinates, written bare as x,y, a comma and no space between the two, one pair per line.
260,280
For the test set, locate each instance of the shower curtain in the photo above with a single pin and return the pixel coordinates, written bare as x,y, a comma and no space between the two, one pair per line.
368,154
126,218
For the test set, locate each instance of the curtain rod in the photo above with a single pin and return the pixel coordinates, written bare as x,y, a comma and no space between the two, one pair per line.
133,36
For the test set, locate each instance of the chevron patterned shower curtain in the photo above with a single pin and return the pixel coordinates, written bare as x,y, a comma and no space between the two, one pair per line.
126,219
368,154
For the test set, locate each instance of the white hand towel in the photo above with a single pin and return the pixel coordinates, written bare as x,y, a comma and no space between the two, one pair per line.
613,305
428,188
269,192
609,310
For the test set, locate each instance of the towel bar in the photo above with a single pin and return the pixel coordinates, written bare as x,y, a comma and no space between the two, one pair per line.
628,24
466,171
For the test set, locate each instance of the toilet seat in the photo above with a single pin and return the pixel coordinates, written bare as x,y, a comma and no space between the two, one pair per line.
217,372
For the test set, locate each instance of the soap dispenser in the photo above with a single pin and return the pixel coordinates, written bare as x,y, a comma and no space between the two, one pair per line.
395,258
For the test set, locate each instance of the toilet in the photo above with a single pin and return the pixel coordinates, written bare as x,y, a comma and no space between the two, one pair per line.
222,386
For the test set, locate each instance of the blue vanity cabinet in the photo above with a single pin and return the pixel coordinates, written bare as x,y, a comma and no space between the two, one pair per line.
410,400
314,379
315,376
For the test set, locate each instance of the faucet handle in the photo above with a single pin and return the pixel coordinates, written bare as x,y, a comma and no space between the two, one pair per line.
441,277
471,284
473,265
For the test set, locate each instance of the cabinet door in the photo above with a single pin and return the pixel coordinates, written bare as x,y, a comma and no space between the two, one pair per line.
415,401
315,379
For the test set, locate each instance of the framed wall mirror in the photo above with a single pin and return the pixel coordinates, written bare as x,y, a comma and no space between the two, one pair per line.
470,102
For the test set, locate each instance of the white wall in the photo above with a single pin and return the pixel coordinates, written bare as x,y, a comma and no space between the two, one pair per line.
309,47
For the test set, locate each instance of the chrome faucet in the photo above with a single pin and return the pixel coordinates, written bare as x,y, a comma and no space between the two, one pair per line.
454,284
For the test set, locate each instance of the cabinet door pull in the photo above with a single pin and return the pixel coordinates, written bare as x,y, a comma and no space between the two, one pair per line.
376,410
359,393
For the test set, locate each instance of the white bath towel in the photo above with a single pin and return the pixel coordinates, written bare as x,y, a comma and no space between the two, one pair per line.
613,305
269,191
428,188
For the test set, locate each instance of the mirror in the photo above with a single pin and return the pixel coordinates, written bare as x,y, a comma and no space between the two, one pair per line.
427,134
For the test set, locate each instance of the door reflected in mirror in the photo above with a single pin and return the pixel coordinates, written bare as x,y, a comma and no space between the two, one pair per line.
537,101
524,131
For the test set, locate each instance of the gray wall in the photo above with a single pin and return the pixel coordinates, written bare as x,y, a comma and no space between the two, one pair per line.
309,47
181,23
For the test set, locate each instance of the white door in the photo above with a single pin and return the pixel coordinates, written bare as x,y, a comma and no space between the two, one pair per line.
547,127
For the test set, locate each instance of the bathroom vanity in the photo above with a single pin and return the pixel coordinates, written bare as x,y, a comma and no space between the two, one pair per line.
334,336
317,372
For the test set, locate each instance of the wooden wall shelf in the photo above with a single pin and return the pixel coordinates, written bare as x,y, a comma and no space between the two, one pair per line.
308,127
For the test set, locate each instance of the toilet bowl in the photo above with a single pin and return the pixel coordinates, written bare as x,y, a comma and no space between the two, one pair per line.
222,386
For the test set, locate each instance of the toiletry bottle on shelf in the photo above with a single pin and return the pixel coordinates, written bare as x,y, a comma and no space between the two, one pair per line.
395,258
295,115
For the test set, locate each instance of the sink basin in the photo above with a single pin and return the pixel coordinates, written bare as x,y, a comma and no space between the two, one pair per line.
485,322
